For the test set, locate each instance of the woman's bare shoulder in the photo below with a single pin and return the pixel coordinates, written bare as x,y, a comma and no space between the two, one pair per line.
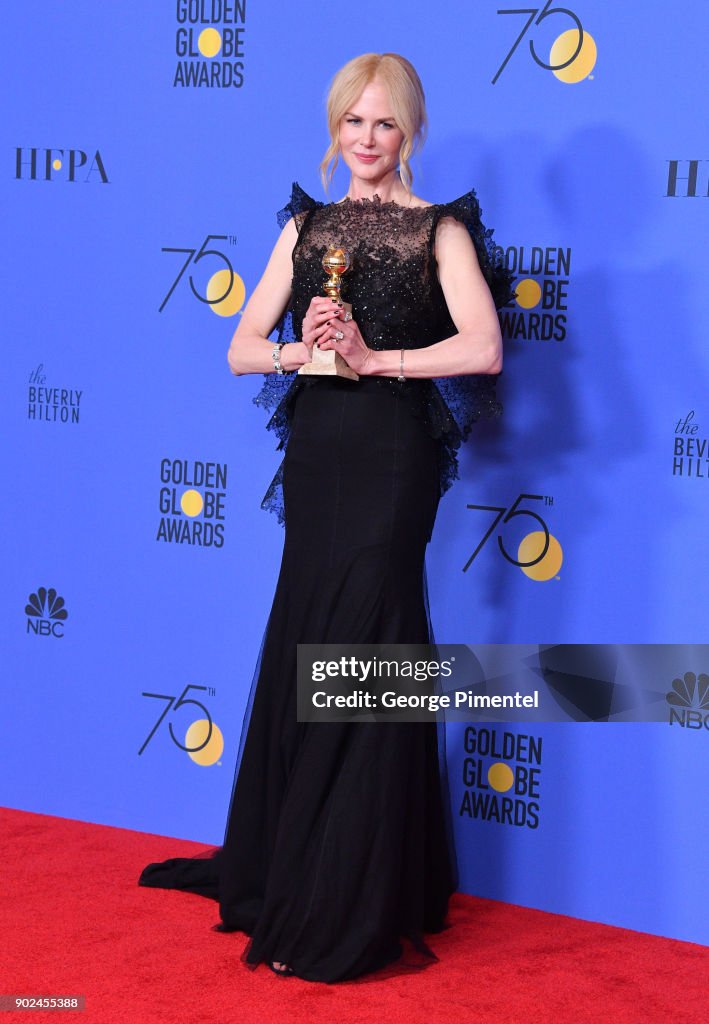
417,201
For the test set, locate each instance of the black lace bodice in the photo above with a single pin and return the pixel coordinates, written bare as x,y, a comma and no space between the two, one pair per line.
397,302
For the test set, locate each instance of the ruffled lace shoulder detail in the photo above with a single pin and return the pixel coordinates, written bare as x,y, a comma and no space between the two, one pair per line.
490,255
298,207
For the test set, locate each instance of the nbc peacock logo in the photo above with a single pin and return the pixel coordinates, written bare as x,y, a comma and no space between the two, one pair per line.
689,701
46,613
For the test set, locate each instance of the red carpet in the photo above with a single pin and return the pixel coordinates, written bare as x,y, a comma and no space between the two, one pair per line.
74,922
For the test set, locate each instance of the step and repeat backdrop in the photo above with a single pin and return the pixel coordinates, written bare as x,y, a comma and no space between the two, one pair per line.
146,151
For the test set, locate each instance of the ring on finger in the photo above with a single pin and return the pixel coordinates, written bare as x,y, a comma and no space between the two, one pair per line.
347,317
338,335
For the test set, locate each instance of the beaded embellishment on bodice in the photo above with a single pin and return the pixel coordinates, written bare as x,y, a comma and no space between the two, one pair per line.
397,302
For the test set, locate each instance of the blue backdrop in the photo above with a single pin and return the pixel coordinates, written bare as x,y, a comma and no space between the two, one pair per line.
146,150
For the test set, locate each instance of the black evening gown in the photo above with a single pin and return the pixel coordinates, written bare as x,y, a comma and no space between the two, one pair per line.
338,842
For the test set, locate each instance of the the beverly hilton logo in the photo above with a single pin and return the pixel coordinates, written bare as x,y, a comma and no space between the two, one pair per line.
46,613
689,701
51,404
691,450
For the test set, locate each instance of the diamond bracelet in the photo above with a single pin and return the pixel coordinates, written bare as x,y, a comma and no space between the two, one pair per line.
276,354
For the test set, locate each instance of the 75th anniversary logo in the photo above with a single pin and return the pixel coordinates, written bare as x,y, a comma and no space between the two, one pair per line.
558,31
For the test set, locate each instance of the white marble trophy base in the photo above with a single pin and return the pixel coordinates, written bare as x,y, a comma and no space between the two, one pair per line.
328,364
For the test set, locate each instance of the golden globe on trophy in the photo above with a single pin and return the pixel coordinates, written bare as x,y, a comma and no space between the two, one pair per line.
330,363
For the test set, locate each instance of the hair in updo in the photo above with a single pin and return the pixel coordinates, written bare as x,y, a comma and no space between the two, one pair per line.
407,99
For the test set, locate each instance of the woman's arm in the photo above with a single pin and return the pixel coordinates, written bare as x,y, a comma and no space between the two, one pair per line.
250,350
476,348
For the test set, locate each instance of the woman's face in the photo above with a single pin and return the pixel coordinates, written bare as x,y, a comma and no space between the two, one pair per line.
370,138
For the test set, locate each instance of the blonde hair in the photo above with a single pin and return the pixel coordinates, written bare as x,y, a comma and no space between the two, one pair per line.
406,95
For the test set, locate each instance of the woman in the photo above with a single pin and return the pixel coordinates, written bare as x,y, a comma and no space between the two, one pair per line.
338,843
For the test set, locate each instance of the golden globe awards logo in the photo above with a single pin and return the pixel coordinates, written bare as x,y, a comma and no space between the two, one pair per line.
501,777
540,305
691,450
46,613
192,503
555,39
73,165
209,44
51,404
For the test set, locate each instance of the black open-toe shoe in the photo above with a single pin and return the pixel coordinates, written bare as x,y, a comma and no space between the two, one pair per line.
285,972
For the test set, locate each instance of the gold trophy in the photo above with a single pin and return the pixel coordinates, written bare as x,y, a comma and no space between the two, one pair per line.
330,363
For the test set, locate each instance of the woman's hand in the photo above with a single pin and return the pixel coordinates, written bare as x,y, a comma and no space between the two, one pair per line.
316,323
351,346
